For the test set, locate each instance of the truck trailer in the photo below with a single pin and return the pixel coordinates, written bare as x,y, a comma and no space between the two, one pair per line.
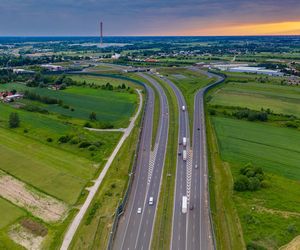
184,204
184,155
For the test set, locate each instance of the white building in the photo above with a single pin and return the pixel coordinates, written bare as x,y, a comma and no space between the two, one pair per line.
52,67
256,70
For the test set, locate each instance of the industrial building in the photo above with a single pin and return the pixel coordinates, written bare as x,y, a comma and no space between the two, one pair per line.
256,70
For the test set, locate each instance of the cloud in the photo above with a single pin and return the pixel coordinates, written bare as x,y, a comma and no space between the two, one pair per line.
134,17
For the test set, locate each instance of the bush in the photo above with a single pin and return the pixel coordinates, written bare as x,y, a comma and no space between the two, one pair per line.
85,144
92,148
64,139
49,139
75,140
14,120
241,184
93,116
212,112
87,125
25,131
254,246
250,179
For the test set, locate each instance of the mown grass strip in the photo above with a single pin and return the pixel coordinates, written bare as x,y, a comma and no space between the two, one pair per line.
227,227
163,222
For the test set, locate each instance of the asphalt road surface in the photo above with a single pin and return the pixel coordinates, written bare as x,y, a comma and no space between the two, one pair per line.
200,230
135,229
179,221
192,230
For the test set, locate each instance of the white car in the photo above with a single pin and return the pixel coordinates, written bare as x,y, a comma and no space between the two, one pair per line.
151,201
139,211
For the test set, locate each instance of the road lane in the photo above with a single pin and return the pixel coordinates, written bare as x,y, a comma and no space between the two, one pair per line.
135,230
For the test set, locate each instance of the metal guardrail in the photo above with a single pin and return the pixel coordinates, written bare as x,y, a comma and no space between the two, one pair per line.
210,214
121,207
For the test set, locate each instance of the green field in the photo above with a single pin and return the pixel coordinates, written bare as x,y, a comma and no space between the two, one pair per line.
275,149
101,80
110,106
280,99
56,172
268,214
41,127
12,216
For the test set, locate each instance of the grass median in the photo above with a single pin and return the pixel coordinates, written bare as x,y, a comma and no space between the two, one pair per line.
163,222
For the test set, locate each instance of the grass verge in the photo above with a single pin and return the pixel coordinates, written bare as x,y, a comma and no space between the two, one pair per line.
227,227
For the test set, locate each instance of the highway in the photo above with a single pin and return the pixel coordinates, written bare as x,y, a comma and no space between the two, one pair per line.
200,230
135,229
192,230
183,171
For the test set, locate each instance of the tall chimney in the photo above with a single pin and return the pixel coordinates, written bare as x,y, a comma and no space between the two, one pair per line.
101,33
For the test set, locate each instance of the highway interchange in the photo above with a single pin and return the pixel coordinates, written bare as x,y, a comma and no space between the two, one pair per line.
191,230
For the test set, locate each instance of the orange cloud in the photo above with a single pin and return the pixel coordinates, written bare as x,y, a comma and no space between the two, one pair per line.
280,28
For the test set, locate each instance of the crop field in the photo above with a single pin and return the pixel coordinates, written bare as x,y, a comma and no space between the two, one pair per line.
42,127
280,99
101,80
110,106
58,173
13,215
275,149
270,216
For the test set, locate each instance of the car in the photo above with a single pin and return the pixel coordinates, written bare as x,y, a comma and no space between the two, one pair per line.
151,200
198,129
179,153
196,166
191,207
139,210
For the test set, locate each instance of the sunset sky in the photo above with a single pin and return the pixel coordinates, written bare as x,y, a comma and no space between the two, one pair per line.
149,17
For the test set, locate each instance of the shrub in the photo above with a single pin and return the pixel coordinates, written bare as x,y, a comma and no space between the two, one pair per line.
250,179
212,112
14,120
254,184
93,116
92,213
64,139
92,148
25,131
84,144
241,184
254,246
75,140
49,139
87,125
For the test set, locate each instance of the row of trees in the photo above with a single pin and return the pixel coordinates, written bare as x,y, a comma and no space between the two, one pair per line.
251,115
44,99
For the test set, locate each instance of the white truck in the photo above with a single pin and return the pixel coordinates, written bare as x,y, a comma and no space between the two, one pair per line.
183,108
184,204
184,155
184,141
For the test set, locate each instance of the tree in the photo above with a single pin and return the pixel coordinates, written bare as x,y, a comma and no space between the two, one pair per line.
241,184
93,116
14,120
